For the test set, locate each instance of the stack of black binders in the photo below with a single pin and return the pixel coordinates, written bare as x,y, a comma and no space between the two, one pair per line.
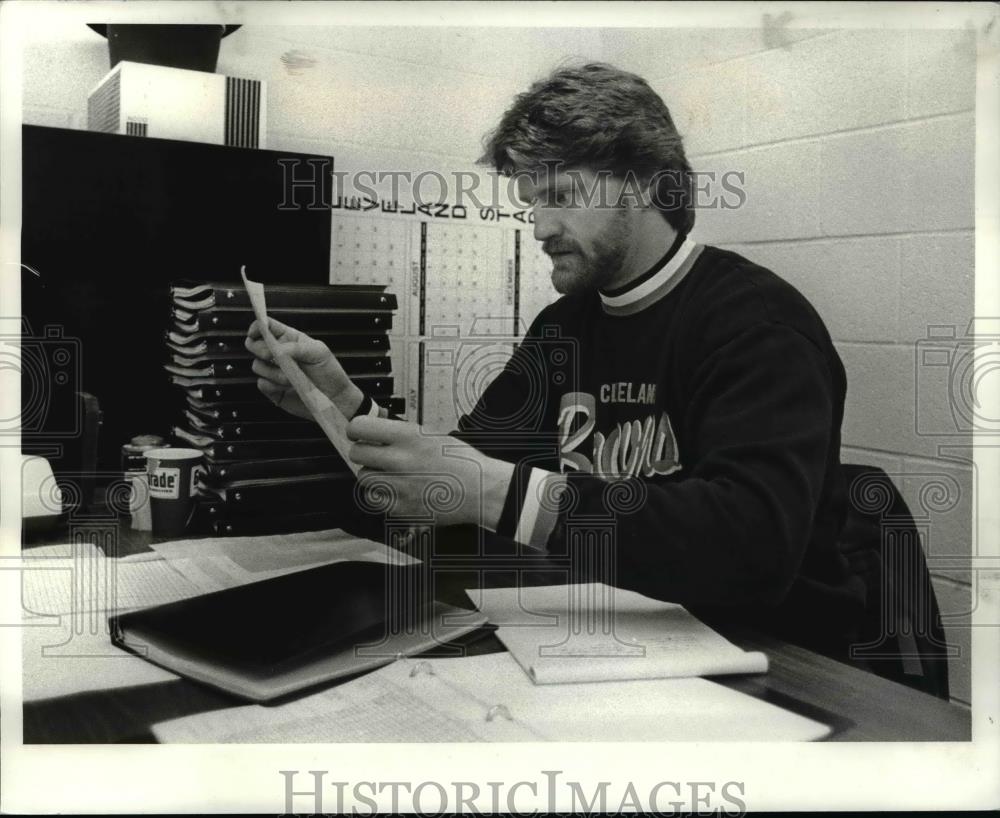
266,470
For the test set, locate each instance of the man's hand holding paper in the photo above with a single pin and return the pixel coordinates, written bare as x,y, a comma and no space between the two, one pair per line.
425,476
407,472
315,359
324,411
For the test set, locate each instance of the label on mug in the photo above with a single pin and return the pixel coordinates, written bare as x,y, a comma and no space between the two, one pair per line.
165,483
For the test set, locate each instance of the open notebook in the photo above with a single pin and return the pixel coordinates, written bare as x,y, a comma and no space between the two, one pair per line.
490,699
592,632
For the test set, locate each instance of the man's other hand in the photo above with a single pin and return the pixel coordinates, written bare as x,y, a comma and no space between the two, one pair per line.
412,474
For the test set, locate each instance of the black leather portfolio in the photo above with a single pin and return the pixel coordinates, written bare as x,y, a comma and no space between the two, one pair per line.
269,639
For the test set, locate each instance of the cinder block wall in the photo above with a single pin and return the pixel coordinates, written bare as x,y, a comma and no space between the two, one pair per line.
858,152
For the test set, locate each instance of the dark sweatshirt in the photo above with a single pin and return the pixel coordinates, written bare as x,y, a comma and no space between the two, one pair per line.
697,413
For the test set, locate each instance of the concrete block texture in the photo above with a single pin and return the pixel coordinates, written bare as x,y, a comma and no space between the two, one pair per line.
373,100
940,71
695,99
783,195
840,82
912,177
940,497
938,283
894,404
854,284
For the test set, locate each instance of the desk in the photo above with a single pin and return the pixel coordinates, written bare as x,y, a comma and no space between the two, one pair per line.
859,706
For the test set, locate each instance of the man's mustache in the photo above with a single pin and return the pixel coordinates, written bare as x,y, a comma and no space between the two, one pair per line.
550,247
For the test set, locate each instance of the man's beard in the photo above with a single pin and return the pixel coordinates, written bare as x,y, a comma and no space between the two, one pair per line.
576,273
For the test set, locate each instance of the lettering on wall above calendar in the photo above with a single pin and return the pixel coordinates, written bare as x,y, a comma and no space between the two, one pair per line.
439,210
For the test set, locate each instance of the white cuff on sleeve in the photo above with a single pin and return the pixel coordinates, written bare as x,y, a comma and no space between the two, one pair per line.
538,518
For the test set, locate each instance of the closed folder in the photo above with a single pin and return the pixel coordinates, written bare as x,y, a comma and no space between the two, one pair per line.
245,389
253,410
243,526
262,409
311,321
281,495
194,295
242,368
253,430
225,474
220,452
211,346
268,639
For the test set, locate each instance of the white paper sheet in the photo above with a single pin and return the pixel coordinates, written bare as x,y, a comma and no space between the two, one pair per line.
386,705
328,416
64,579
488,698
216,563
592,632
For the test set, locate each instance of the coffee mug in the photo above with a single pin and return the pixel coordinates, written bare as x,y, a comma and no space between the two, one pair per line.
172,475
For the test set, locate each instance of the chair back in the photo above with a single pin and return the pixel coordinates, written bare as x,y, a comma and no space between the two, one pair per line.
902,637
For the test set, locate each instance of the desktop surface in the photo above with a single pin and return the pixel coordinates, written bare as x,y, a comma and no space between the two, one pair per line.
857,705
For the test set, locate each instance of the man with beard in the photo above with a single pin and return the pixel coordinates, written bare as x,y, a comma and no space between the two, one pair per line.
681,392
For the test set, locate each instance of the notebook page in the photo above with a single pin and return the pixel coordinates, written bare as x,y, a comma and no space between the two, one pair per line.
89,581
591,632
386,705
633,710
435,700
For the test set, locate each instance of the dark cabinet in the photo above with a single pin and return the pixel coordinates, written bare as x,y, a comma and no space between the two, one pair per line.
107,222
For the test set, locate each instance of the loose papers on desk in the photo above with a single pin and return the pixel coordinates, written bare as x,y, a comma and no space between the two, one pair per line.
73,579
489,699
66,593
227,562
76,579
69,590
593,632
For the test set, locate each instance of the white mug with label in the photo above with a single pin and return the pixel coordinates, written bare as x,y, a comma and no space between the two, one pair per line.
172,475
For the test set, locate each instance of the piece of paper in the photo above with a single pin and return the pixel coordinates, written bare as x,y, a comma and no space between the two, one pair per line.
214,564
489,698
634,710
386,705
65,579
328,416
592,632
